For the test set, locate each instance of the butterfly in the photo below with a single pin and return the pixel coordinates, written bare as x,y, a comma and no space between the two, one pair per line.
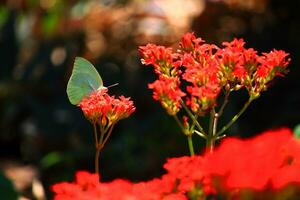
83,81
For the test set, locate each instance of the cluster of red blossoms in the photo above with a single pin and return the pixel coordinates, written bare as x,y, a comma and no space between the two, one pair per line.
101,108
265,167
206,69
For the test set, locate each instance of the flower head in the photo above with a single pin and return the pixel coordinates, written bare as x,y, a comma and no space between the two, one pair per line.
164,61
101,108
167,91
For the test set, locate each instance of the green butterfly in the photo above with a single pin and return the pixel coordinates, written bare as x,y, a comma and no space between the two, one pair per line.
84,80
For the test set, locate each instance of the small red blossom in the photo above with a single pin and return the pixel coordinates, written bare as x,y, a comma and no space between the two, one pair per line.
101,108
167,91
164,61
189,42
203,98
237,63
91,104
188,172
273,64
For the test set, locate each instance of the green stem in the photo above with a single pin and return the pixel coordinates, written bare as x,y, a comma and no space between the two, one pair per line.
189,135
191,146
200,134
95,134
236,117
102,133
193,118
179,123
211,121
98,146
220,112
98,150
210,141
107,136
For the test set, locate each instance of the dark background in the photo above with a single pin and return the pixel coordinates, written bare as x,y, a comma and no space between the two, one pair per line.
40,39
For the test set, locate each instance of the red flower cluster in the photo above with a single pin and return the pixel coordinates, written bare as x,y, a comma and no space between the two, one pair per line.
101,108
207,69
87,187
167,91
271,159
166,66
267,165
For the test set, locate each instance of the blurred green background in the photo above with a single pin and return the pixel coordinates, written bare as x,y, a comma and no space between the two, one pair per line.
44,139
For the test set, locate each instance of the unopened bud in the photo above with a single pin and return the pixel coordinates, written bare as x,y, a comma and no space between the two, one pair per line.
227,87
254,95
265,88
237,87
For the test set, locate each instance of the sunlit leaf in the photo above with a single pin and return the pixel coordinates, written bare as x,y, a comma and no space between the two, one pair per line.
84,80
297,131
51,159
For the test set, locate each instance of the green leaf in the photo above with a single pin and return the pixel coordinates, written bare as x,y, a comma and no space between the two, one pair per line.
84,80
51,159
297,131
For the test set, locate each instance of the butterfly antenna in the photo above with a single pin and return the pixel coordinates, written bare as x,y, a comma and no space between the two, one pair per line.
113,85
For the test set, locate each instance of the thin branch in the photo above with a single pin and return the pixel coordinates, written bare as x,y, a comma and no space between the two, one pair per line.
179,123
102,133
211,131
189,136
220,137
220,112
107,135
193,118
236,117
191,145
200,134
95,134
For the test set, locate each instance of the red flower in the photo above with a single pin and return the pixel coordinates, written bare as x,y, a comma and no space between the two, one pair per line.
207,69
167,91
272,64
121,108
164,61
175,196
189,42
101,108
203,98
257,162
189,173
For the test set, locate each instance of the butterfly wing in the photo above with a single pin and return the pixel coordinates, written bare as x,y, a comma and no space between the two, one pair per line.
84,80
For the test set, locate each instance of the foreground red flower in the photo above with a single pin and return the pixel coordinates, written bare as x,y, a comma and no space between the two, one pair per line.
269,160
265,167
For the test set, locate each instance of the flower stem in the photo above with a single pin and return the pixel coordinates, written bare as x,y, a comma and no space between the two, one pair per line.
211,138
236,117
107,135
95,134
188,134
98,150
193,118
179,123
226,96
191,146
